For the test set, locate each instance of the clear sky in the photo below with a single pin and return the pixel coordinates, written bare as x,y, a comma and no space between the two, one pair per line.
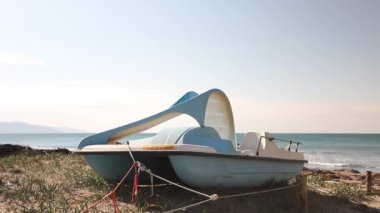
287,66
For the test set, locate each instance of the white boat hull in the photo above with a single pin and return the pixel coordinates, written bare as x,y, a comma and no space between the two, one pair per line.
206,155
219,171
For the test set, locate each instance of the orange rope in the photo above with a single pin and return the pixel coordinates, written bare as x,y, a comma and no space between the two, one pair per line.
115,203
135,188
112,193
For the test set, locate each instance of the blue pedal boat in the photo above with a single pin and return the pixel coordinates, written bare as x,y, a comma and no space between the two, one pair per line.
203,156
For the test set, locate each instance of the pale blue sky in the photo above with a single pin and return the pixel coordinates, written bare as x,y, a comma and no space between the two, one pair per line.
287,66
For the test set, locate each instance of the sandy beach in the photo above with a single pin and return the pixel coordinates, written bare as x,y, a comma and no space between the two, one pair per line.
60,181
279,99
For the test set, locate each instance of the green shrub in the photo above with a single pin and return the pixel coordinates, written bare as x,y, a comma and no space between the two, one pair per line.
346,191
315,179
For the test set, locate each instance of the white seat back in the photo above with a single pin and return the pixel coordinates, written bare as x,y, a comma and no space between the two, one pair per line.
251,141
270,147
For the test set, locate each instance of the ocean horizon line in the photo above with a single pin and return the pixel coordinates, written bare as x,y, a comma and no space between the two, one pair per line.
240,132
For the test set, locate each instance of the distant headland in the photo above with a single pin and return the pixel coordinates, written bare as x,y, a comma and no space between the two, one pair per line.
22,127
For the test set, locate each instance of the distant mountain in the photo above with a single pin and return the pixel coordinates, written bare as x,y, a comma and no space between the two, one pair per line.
22,127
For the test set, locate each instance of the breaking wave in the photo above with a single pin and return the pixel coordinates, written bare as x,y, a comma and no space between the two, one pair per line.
330,164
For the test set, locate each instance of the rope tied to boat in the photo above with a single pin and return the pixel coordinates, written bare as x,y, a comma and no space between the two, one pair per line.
114,201
214,197
112,193
260,192
144,168
130,152
138,166
135,187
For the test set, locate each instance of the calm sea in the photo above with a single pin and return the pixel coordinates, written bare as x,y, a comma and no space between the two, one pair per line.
331,151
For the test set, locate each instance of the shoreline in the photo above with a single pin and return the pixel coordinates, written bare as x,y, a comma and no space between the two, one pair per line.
7,149
23,168
11,149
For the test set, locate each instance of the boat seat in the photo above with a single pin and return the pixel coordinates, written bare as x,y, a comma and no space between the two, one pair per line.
207,136
251,141
270,148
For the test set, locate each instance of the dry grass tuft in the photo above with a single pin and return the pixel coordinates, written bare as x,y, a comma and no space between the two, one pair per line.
50,182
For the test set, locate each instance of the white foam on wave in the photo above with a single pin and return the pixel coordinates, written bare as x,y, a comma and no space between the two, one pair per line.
52,148
328,164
